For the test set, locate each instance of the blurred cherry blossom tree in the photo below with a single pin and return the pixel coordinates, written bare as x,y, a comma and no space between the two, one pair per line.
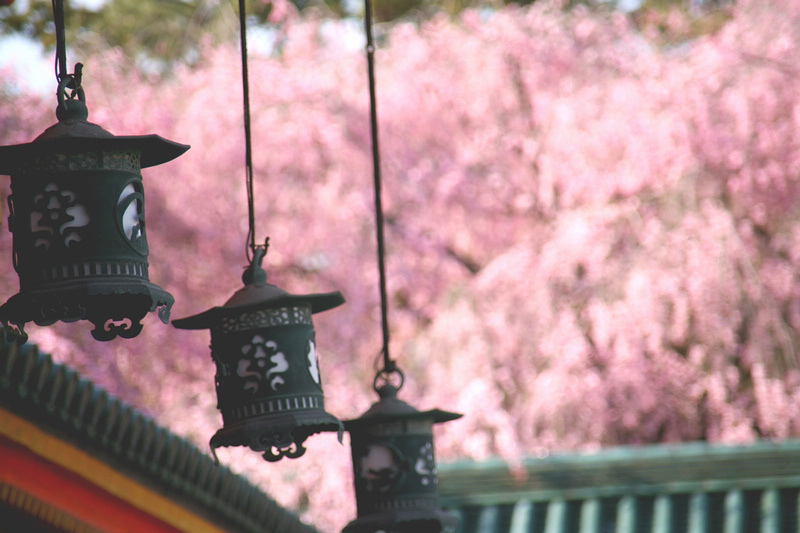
592,236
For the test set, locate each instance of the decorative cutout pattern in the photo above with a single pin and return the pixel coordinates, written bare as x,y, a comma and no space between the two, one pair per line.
252,366
129,160
425,465
313,362
131,206
281,316
57,218
380,468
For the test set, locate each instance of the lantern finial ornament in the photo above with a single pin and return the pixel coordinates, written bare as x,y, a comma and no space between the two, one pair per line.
77,219
268,381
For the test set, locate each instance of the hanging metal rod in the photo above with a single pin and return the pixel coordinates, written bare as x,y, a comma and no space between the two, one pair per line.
251,235
61,46
389,366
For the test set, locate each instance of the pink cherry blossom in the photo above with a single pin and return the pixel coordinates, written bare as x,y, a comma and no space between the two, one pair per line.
592,236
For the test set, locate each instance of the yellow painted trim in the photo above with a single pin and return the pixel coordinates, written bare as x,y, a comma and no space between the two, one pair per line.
43,511
101,474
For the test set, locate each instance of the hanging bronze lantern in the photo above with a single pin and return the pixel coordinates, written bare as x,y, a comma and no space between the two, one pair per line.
77,218
394,468
268,381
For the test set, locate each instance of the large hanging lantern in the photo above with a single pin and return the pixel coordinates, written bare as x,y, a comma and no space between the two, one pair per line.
77,218
268,381
394,468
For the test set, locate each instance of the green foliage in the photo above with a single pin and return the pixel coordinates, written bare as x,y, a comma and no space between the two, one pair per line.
672,22
161,33
165,31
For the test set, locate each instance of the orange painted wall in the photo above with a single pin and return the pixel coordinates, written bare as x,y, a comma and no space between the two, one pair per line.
64,490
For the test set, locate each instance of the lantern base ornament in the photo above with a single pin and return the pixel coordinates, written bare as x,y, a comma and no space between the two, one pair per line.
277,436
114,307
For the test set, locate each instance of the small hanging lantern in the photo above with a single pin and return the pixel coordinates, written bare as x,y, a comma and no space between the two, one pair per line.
394,469
77,218
268,381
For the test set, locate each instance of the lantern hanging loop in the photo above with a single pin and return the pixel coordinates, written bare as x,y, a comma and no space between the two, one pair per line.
248,143
73,82
384,377
66,104
255,273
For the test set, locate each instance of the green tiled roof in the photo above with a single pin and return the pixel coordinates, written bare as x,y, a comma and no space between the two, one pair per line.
57,399
666,488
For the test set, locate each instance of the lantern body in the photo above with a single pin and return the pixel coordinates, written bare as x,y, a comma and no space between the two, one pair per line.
394,469
77,218
268,383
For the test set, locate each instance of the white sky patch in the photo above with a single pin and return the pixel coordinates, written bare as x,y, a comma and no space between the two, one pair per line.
261,40
629,5
92,5
34,67
27,58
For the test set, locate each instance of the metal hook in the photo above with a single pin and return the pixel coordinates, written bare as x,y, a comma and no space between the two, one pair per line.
384,377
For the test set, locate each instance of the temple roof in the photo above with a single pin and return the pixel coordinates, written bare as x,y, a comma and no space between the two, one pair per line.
57,401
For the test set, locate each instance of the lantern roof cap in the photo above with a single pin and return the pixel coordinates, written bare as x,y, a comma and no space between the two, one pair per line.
258,294
74,132
390,408
263,294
